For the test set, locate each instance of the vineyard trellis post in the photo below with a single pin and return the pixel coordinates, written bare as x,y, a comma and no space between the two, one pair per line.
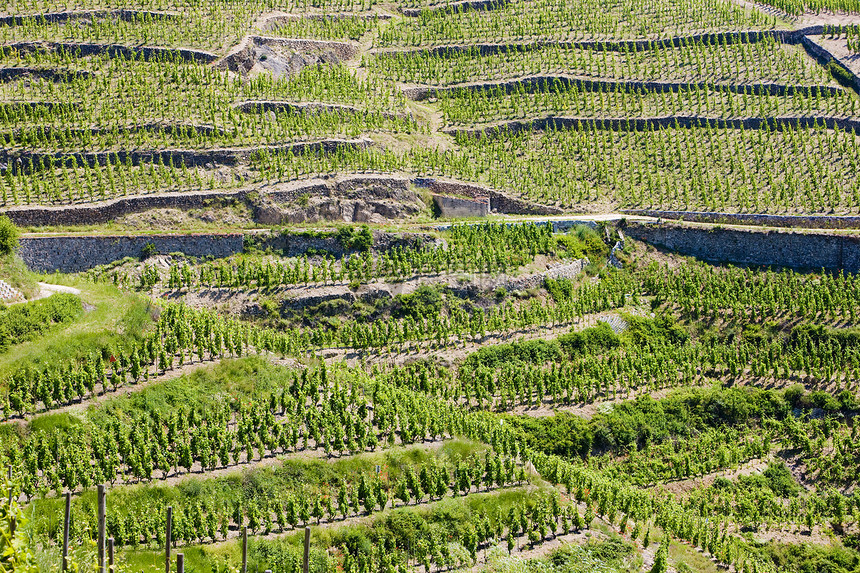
100,493
66,521
180,563
12,523
306,560
245,549
167,536
110,554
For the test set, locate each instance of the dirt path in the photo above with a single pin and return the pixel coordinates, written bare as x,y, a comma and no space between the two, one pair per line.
589,409
360,518
680,487
806,19
456,350
103,394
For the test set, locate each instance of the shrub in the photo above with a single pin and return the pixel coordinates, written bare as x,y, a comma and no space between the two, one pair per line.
425,301
591,340
840,74
8,236
531,352
780,480
355,240
148,250
23,322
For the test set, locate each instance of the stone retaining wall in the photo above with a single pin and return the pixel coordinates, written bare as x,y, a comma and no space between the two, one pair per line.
669,121
825,57
458,207
297,244
113,50
453,7
76,254
343,50
111,210
499,202
176,157
744,37
761,219
533,84
60,17
47,74
565,271
381,185
814,251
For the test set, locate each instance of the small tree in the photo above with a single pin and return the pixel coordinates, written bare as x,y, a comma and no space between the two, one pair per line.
8,236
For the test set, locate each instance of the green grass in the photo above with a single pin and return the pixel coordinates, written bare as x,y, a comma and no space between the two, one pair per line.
116,318
15,272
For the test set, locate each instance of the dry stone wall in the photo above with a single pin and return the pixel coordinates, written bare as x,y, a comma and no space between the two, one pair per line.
393,187
110,210
457,207
813,251
114,50
662,122
297,244
533,84
21,160
499,202
759,219
76,254
565,271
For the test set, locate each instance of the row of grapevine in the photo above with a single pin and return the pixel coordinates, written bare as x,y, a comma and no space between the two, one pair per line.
693,61
482,248
466,106
557,20
216,517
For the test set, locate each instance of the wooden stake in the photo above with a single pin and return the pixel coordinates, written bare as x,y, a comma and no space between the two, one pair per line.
167,539
100,492
306,564
66,521
180,563
110,554
245,549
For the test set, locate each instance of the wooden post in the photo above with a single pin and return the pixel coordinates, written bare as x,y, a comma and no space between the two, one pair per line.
66,521
100,492
167,539
110,554
12,523
180,563
245,549
306,563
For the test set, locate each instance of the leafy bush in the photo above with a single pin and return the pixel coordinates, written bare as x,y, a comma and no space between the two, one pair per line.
583,241
148,250
355,239
563,435
645,420
591,340
840,74
810,558
780,480
8,236
426,301
560,289
531,352
645,332
23,322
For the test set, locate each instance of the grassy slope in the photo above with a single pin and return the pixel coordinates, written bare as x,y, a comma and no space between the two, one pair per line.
116,317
